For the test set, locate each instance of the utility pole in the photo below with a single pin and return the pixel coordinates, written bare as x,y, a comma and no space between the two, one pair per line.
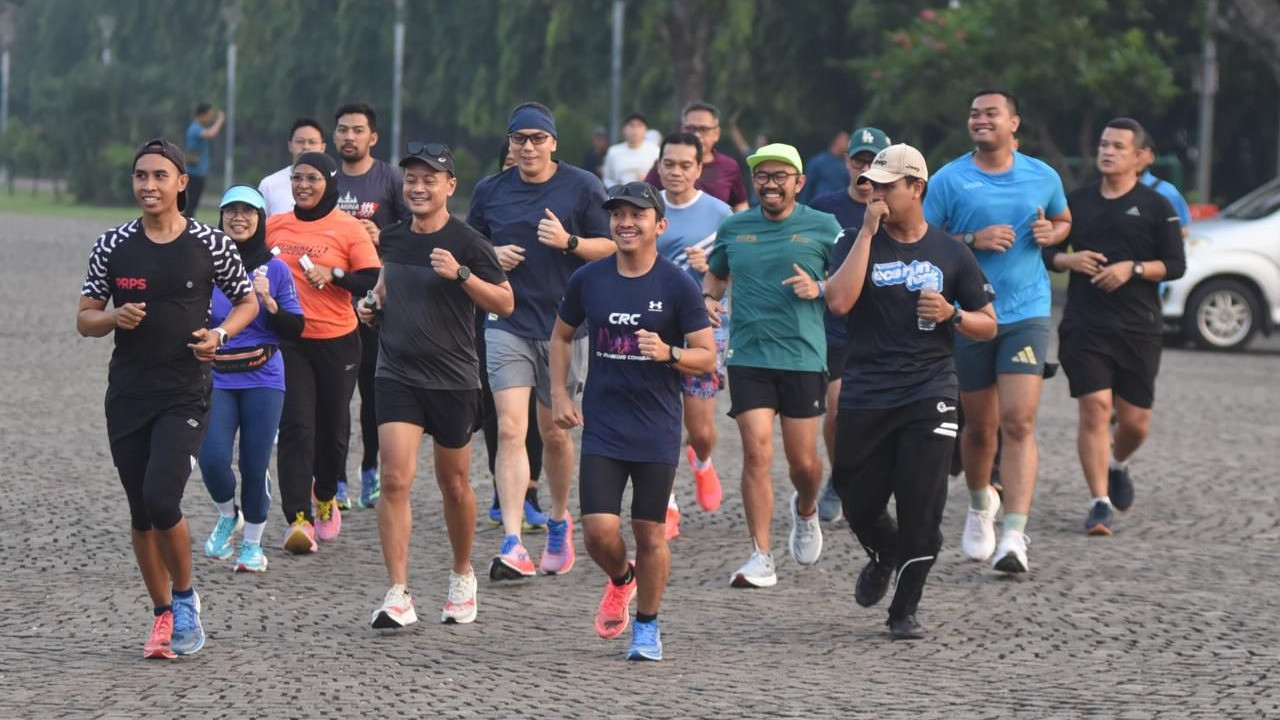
397,82
231,14
6,42
107,24
1208,91
615,91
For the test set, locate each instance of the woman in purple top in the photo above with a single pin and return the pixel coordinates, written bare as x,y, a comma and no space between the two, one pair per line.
248,386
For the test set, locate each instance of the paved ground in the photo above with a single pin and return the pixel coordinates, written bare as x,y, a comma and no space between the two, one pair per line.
1174,617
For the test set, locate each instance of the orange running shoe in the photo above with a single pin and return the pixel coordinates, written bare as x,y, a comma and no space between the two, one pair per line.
614,611
707,481
157,646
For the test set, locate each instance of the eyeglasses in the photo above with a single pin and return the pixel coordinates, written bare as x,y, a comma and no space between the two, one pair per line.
699,129
778,178
638,189
861,161
536,138
239,210
417,147
298,179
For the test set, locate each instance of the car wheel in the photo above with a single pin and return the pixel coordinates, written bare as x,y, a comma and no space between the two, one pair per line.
1222,315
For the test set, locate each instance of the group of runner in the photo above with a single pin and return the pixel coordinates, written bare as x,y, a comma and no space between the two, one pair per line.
902,308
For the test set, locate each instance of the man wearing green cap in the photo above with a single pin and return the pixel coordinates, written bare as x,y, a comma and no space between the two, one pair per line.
777,255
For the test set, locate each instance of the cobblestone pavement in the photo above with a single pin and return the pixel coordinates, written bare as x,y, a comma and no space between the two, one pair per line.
1175,616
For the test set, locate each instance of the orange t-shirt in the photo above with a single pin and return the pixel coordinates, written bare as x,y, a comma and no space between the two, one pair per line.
335,240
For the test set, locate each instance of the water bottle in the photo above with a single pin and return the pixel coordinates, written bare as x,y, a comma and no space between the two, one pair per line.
930,283
370,302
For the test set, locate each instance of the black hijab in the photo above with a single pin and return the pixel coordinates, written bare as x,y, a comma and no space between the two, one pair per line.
329,200
253,251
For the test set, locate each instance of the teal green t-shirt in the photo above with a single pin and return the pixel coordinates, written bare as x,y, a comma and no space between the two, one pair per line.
772,328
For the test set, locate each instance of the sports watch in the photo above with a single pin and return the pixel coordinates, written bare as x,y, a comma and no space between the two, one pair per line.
675,355
1138,269
957,318
572,244
969,239
464,272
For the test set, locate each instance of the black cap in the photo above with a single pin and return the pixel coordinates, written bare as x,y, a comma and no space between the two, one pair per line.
170,152
640,194
436,155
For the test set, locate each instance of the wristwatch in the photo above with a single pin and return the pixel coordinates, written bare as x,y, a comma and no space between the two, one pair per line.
969,239
339,275
464,272
223,336
957,318
572,244
1138,269
675,355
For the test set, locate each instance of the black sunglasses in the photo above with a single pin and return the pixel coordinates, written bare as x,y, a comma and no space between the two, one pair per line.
417,147
636,189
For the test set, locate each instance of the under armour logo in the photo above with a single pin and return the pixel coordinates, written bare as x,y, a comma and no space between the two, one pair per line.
655,306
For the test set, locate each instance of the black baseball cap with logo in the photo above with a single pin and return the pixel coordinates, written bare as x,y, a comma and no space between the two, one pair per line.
638,193
170,152
435,155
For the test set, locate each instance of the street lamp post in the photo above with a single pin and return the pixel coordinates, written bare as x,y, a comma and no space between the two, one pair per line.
107,24
397,80
615,82
1208,91
231,14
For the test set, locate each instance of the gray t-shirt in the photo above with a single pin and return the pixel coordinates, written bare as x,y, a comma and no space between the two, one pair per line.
428,329
376,195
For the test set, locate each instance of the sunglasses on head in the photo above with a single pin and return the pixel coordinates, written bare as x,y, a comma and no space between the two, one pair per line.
417,147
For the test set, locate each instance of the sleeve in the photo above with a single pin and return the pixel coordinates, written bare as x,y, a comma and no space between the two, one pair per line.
1058,198
935,205
361,253
693,313
738,190
593,220
571,310
972,289
1180,206
475,216
283,291
840,250
399,210
652,177
483,262
609,174
718,258
228,269
1047,254
833,231
97,283
1169,246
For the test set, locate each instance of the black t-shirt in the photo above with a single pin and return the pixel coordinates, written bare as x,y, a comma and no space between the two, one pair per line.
890,361
376,195
428,333
1140,225
176,281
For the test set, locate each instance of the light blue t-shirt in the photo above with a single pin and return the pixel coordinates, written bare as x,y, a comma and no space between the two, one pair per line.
1166,188
197,147
963,198
694,225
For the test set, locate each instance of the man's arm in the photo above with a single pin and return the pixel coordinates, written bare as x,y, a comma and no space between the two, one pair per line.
551,233
213,130
564,411
844,288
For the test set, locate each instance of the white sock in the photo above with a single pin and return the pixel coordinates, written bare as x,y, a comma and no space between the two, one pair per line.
1116,464
701,464
253,532
227,509
671,502
1103,499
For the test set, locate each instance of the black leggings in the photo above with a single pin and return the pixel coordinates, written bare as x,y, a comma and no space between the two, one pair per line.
368,407
904,452
153,447
315,427
602,481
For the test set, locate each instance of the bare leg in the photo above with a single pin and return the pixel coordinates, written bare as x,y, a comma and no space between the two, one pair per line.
978,440
1093,440
154,573
800,443
557,458
1019,398
756,428
512,405
398,449
453,475
1132,430
605,544
653,565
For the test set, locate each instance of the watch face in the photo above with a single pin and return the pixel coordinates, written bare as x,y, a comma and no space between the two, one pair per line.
464,272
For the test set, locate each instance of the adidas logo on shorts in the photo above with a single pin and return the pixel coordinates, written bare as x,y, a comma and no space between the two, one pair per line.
1025,356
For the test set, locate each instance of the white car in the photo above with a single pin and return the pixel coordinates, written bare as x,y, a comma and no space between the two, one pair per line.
1231,289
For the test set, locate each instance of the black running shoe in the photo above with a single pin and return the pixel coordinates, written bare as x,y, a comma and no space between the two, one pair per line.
1099,521
873,583
1120,489
906,628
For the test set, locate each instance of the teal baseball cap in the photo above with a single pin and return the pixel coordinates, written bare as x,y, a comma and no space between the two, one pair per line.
776,151
243,194
868,139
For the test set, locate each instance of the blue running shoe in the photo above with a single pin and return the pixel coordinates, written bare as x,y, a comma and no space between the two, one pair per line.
534,519
251,558
1099,520
646,641
370,487
188,634
1120,488
344,502
219,543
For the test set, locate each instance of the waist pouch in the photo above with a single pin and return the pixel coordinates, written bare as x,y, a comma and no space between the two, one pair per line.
245,359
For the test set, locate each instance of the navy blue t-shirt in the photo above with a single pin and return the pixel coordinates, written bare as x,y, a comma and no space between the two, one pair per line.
890,361
507,210
631,406
849,213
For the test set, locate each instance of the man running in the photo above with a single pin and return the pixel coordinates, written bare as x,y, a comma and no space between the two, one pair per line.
907,290
159,272
435,272
1125,240
1005,206
692,218
721,177
848,205
545,220
777,256
646,325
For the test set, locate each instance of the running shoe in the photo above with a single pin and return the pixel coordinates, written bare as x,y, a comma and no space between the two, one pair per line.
558,557
495,511
1120,489
830,508
906,628
614,611
806,534
646,641
1099,520
157,647
340,497
873,582
460,608
1011,557
301,538
370,487
396,611
251,558
534,518
188,633
672,529
757,572
706,481
328,520
512,563
219,543
979,539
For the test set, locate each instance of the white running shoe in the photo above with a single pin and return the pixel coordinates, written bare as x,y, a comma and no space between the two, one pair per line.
396,611
1012,555
461,606
806,534
979,539
758,572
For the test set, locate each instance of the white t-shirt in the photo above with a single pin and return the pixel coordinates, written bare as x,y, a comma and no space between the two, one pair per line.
278,191
623,163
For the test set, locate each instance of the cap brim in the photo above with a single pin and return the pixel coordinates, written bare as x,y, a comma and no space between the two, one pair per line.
755,160
873,149
428,161
879,175
243,194
642,203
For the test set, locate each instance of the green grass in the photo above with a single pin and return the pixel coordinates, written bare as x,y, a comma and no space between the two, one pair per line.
24,202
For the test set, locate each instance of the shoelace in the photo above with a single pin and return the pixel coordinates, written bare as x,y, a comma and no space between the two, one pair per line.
300,519
184,613
646,634
324,510
614,601
555,536
222,531
163,624
458,589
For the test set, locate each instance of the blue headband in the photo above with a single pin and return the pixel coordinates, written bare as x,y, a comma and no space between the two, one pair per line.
532,118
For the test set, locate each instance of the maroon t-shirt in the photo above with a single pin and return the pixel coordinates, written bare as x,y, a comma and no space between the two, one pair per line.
721,178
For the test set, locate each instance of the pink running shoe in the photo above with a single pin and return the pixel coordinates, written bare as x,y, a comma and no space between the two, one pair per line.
513,562
673,523
157,647
614,611
707,482
328,520
558,558
301,538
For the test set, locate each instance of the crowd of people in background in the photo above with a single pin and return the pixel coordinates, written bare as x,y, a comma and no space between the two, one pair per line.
898,313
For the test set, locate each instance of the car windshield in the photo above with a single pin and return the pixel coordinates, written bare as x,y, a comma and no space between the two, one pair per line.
1259,203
